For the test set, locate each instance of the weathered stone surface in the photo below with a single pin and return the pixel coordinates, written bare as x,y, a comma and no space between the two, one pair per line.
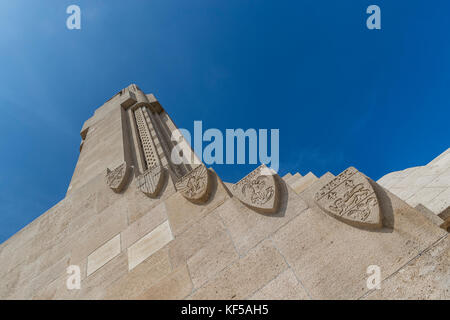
284,287
206,247
425,196
103,254
330,258
428,185
297,176
142,277
92,287
211,258
102,148
96,285
99,229
139,204
440,202
143,225
350,198
244,277
286,176
27,287
247,228
105,197
176,285
425,277
183,213
149,244
304,182
429,214
220,248
258,190
445,214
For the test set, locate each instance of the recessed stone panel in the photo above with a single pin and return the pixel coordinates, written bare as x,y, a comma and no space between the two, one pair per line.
149,244
103,254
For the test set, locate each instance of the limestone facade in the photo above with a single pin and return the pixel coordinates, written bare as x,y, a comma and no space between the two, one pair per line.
427,188
142,227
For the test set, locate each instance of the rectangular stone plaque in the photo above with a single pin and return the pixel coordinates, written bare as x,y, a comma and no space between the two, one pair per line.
103,254
149,244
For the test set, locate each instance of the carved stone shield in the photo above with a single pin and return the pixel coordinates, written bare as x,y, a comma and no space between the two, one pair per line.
258,190
116,179
151,181
350,198
195,185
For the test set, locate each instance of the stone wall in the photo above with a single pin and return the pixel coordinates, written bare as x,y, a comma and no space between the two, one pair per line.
279,245
427,185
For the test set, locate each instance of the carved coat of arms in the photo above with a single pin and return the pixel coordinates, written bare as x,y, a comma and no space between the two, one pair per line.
116,179
351,198
258,190
195,185
151,181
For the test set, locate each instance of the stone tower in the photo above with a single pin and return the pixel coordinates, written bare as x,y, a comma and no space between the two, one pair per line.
140,224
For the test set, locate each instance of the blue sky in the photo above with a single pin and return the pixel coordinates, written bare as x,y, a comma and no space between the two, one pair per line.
340,94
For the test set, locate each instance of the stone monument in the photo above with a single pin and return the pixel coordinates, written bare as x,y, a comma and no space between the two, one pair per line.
139,226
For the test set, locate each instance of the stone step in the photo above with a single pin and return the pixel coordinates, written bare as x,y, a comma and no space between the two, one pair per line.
229,185
304,182
286,176
445,216
308,194
430,215
327,174
293,178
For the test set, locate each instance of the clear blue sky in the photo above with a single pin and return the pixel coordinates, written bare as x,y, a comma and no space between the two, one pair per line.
340,94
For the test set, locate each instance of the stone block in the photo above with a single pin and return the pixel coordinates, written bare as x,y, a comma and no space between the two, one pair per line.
96,286
442,180
426,277
301,184
430,215
247,227
26,286
203,233
211,258
149,244
440,202
103,254
246,276
284,287
144,225
297,176
182,213
92,287
99,229
286,176
139,204
424,196
330,257
176,285
142,277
